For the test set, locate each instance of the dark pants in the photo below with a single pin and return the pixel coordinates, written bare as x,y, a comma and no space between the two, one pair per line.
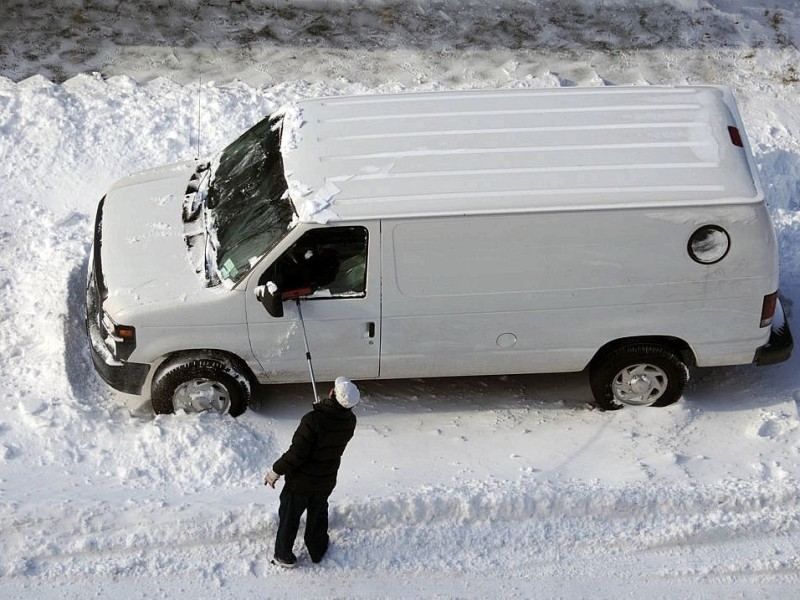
293,505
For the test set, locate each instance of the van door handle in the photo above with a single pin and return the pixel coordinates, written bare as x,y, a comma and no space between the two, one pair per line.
370,330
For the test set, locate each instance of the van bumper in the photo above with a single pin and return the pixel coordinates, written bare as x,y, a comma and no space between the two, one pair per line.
779,346
125,377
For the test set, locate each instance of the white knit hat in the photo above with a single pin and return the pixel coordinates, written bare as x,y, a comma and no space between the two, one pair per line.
347,393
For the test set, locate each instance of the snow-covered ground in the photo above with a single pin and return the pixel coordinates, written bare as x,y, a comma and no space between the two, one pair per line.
475,487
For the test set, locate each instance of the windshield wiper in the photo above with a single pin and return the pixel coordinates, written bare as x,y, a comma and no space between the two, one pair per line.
212,271
196,191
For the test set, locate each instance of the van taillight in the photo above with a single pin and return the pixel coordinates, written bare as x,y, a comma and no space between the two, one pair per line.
768,309
736,137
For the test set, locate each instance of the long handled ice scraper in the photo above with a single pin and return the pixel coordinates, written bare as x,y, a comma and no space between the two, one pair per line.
272,299
295,295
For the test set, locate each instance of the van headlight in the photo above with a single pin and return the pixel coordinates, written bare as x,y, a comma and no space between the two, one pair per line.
119,339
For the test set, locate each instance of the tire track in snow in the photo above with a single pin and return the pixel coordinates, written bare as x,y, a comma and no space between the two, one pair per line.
534,524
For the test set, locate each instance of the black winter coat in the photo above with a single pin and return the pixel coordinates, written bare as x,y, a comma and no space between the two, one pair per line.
311,463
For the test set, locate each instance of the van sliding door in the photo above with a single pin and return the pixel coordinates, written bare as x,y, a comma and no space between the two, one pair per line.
476,295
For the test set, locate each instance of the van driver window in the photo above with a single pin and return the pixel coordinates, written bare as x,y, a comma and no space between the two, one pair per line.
331,261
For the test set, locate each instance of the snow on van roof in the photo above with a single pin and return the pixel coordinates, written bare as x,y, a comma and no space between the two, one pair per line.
521,150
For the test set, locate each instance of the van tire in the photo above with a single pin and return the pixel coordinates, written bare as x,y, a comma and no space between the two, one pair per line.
214,381
638,375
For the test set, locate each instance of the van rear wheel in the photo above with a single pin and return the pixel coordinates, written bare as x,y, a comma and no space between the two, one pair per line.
638,375
199,385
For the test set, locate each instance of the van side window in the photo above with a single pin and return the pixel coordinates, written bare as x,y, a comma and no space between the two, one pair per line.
332,261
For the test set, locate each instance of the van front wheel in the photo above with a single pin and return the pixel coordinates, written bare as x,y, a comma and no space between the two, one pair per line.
638,375
199,385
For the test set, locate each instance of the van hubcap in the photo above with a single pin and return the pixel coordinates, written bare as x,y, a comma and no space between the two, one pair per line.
639,385
200,395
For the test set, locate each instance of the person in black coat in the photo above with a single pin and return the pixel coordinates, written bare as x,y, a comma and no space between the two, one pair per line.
310,466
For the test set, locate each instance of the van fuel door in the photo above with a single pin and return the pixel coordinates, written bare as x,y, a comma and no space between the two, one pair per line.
506,341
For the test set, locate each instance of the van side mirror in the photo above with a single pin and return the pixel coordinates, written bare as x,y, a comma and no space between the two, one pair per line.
270,297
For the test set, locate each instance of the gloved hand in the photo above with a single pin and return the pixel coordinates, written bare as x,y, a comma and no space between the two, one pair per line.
271,478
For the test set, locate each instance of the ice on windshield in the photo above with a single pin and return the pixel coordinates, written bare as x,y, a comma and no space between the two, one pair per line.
246,206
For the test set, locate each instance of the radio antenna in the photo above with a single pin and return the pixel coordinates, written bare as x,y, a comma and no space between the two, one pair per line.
199,94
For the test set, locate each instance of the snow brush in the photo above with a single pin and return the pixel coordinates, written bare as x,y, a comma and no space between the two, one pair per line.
296,295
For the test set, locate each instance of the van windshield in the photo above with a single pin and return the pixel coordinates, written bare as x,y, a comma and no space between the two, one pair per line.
248,211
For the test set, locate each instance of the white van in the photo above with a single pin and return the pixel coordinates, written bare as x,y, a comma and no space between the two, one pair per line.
622,230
